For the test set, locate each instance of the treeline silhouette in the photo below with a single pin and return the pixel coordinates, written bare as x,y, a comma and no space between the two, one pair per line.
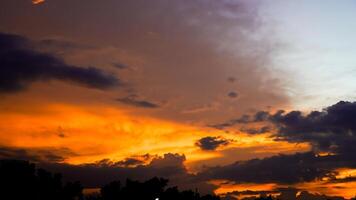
21,180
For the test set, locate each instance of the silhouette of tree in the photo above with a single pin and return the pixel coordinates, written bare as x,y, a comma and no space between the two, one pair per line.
150,189
269,197
111,191
19,180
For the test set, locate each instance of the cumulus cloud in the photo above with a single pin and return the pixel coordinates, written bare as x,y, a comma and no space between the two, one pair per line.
331,130
21,65
212,143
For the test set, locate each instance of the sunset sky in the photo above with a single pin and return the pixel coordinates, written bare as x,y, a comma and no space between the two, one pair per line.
236,97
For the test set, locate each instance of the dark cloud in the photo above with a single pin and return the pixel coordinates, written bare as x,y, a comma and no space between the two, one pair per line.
232,94
231,79
264,129
212,143
169,166
130,162
244,119
133,101
260,116
331,130
120,66
289,169
235,194
304,195
35,154
282,193
60,45
166,166
22,65
104,171
127,162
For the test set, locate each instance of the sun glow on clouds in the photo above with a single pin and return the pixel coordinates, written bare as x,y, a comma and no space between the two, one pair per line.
230,186
325,186
227,186
109,134
38,1
100,132
346,190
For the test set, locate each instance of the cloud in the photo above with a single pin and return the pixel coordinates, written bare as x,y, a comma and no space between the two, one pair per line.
282,193
51,155
332,130
120,65
231,79
212,143
260,116
186,66
127,162
253,131
300,167
21,65
244,119
169,166
133,101
232,94
166,166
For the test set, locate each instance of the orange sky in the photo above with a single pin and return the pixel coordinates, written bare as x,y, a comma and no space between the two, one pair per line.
121,79
116,134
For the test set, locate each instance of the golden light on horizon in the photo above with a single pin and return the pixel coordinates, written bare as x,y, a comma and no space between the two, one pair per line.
346,189
345,173
228,186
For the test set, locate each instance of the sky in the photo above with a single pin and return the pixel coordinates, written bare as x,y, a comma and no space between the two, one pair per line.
233,97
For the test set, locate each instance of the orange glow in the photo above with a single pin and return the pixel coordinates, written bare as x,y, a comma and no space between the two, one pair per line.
38,1
346,190
111,134
226,187
345,172
98,132
341,189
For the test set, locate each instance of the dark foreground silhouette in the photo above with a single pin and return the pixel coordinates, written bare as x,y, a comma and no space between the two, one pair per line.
20,180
